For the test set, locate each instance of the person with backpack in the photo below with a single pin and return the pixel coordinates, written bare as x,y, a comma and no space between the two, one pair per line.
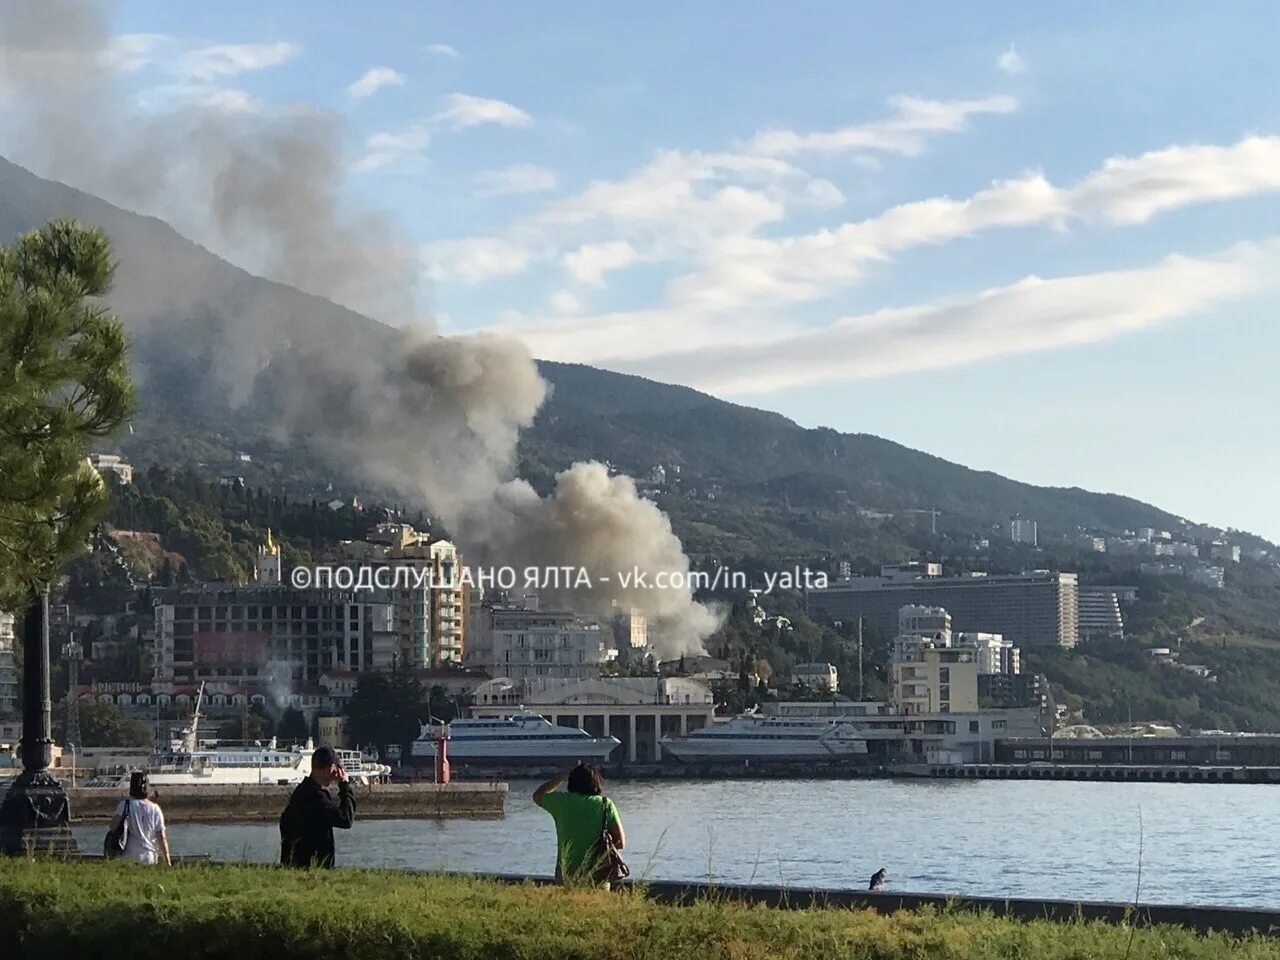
589,830
306,826
137,832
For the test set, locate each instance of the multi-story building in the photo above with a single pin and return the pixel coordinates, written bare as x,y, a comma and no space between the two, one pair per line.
917,625
262,635
630,632
1030,609
992,652
1013,691
816,676
1024,531
8,668
936,679
522,644
429,604
1229,552
1099,614
1213,577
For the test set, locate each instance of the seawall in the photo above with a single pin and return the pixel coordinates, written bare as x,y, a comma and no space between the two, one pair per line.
229,804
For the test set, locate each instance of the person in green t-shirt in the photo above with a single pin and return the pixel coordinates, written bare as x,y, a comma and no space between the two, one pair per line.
581,814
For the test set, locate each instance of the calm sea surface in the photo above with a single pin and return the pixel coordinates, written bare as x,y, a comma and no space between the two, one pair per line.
1200,844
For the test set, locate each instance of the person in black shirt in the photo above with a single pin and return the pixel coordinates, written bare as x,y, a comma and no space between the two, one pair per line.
306,826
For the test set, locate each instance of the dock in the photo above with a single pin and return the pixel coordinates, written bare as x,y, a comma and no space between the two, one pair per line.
1132,773
232,804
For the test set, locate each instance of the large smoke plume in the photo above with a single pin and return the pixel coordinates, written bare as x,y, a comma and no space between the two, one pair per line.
436,418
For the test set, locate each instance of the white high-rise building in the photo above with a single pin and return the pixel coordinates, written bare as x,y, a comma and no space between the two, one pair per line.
1024,531
992,652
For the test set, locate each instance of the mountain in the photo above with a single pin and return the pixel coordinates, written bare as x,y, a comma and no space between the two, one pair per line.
195,316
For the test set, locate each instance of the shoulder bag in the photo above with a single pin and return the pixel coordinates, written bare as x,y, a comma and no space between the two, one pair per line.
610,867
113,845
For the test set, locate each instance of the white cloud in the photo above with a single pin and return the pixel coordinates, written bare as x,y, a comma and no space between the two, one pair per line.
373,80
523,178
131,52
590,262
387,148
913,121
565,301
475,260
1030,315
200,96
1129,190
442,50
685,204
1125,190
1011,61
744,282
463,110
207,64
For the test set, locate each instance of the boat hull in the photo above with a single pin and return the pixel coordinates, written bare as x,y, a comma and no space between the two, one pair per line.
590,749
710,748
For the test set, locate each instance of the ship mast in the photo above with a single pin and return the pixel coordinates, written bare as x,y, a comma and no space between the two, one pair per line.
190,741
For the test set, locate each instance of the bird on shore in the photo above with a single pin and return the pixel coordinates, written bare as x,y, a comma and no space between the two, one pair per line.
877,879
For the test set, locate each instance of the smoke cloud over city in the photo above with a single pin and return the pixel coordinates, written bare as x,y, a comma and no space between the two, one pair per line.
436,418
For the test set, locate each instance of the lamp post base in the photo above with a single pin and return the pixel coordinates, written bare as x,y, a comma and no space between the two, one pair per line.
35,817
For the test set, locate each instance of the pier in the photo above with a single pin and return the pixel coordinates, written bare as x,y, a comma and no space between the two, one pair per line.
1094,772
232,804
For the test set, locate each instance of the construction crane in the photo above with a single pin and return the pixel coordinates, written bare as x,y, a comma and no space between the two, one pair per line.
933,517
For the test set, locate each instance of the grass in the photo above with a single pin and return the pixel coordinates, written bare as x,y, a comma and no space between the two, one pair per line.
63,910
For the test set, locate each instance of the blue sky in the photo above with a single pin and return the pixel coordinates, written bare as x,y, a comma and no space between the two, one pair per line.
830,210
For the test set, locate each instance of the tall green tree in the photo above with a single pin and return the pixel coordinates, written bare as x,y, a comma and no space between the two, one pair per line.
386,709
102,725
293,726
64,383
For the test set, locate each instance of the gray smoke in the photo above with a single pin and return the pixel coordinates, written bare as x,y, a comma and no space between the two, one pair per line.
435,418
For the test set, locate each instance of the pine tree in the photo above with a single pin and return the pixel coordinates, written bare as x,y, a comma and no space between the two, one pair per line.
65,384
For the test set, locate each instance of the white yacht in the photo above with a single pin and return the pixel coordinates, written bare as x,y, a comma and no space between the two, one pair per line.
192,762
750,736
517,738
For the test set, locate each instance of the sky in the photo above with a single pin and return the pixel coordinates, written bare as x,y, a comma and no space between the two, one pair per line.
1030,238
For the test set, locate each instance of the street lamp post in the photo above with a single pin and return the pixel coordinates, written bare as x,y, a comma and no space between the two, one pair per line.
35,815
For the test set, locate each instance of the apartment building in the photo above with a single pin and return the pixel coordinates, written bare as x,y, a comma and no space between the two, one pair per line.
521,643
1030,609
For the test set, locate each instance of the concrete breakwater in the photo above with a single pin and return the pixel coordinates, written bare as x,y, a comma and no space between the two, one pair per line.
229,804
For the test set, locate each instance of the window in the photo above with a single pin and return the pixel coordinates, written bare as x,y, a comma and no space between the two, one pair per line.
944,674
973,726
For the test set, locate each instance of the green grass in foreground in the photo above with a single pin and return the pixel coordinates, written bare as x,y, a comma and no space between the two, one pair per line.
62,911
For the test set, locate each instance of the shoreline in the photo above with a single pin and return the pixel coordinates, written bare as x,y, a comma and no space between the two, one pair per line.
252,803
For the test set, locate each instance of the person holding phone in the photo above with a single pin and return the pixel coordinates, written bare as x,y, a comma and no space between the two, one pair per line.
306,826
582,813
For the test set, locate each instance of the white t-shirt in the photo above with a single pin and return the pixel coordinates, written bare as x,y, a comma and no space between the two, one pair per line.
146,823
